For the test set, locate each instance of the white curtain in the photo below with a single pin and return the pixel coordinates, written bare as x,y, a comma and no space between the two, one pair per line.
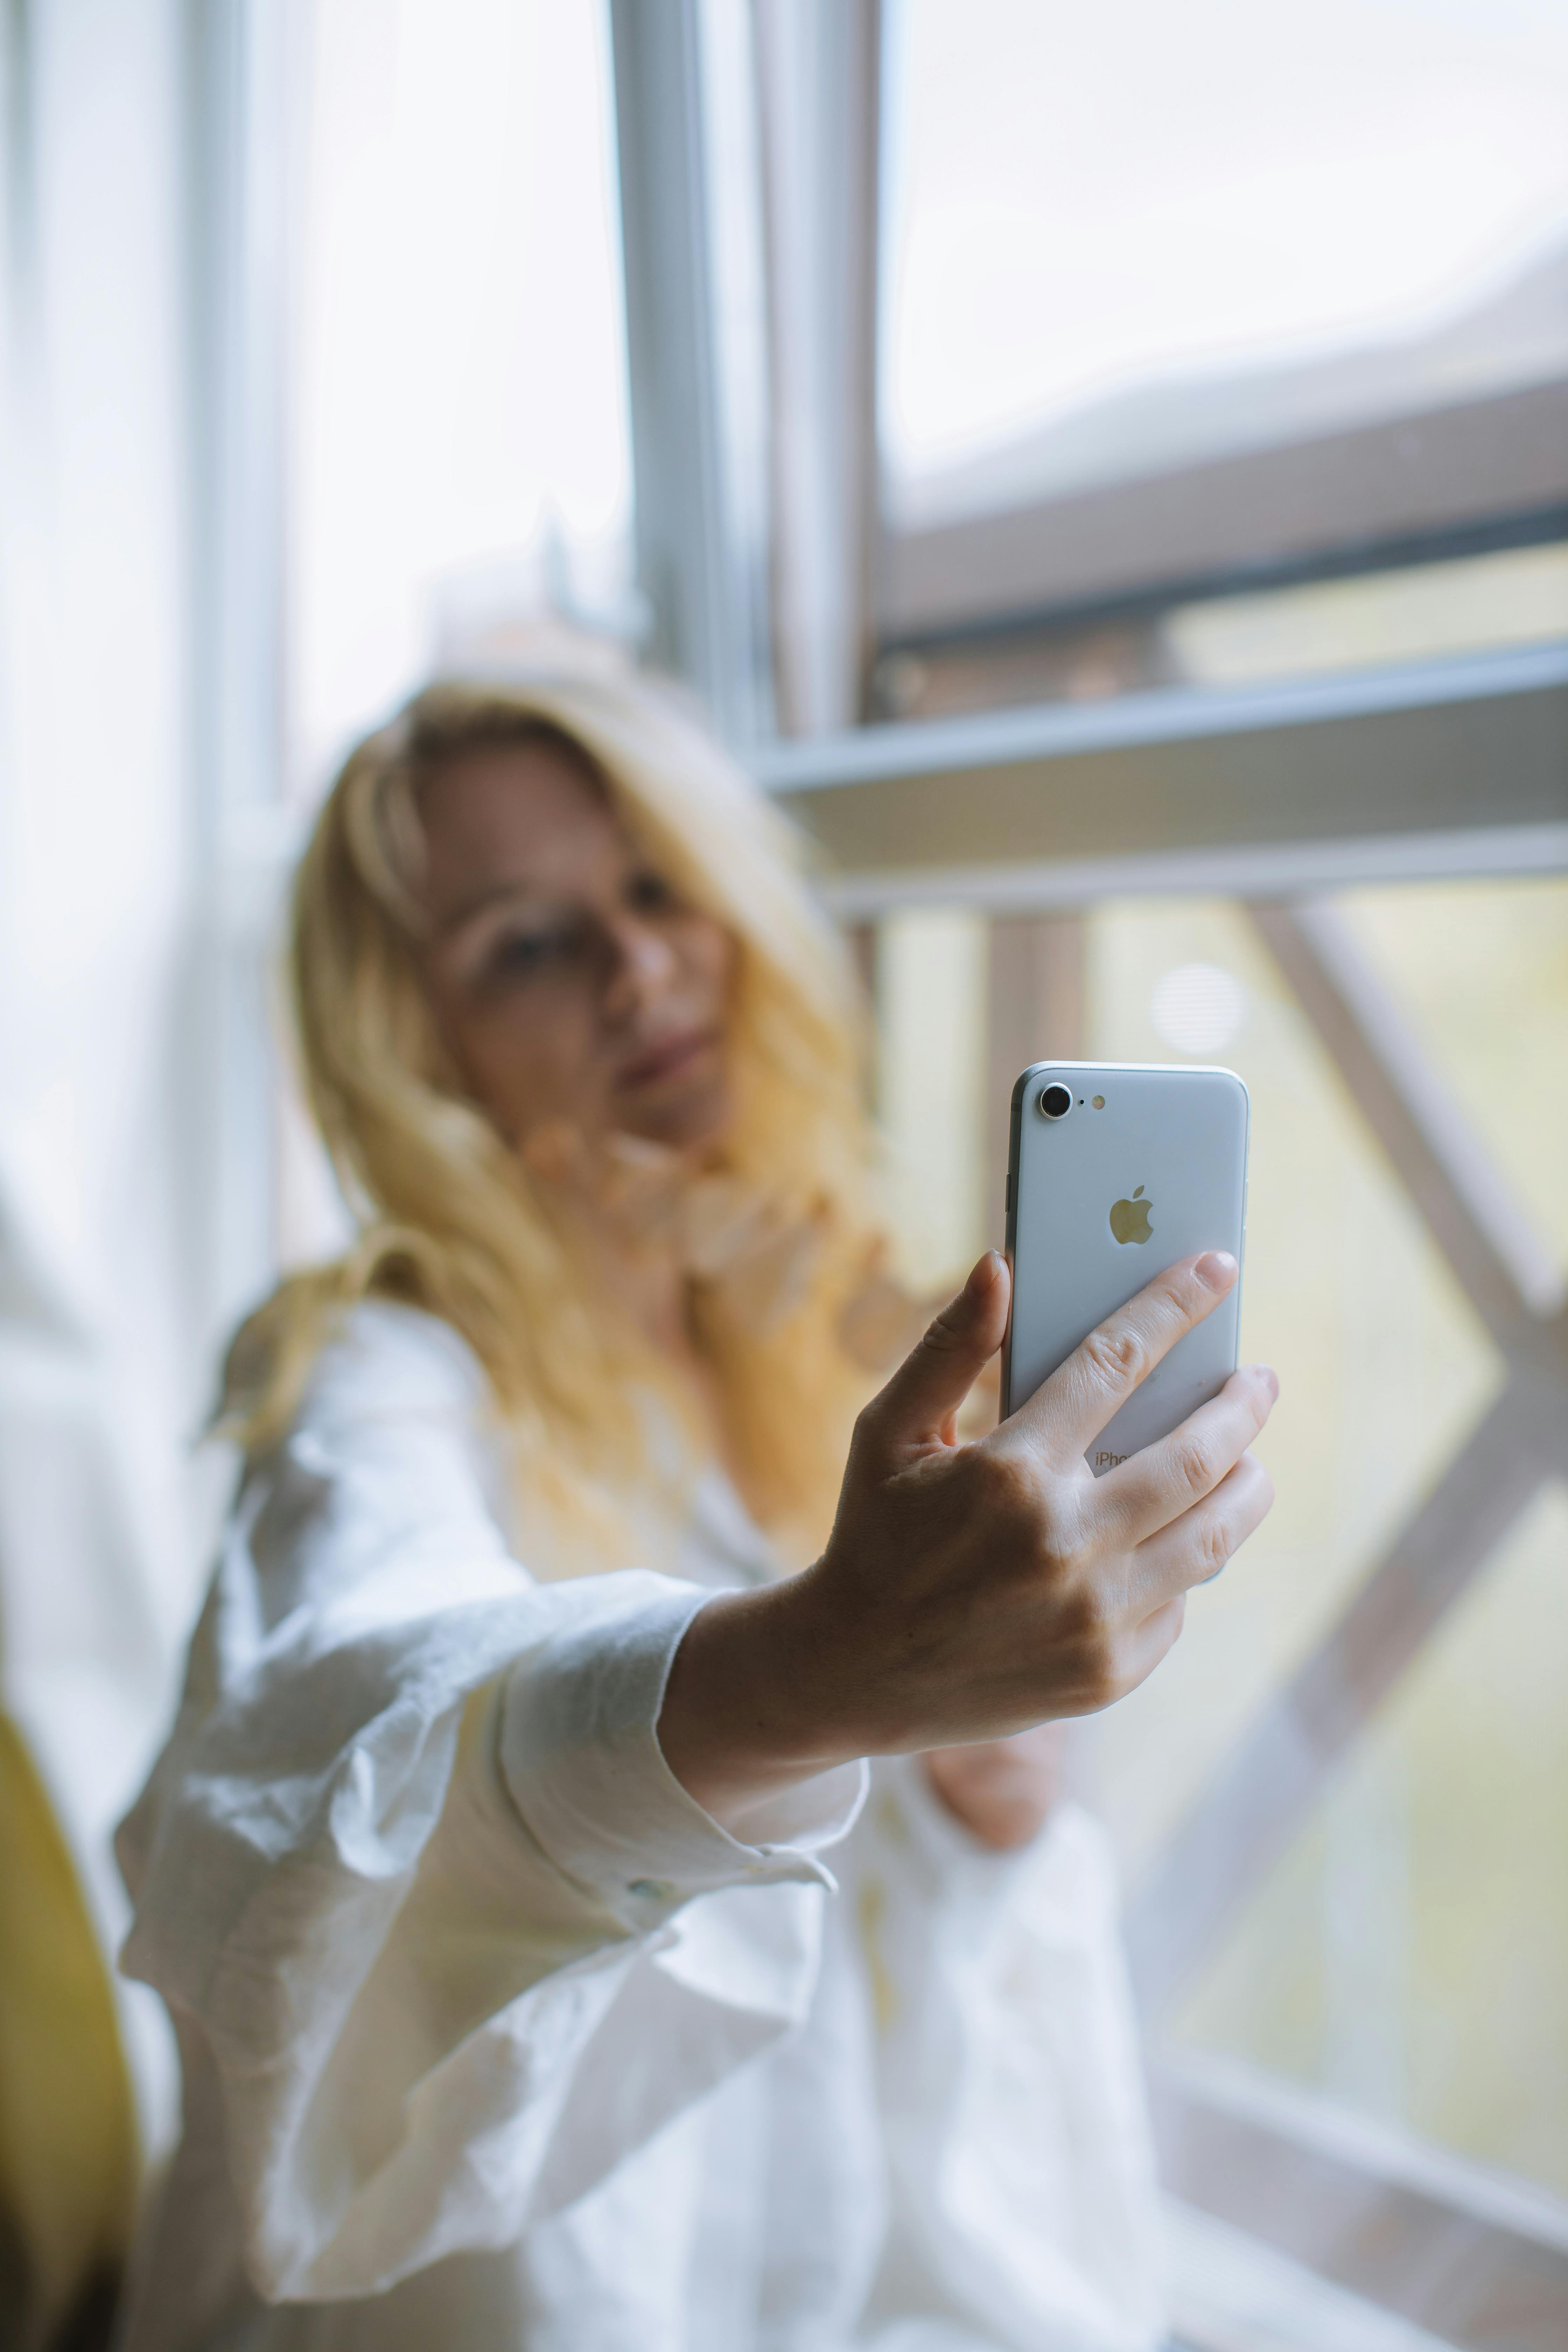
104,1046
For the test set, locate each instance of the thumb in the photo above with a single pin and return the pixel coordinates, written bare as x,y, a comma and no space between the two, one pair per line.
941,1367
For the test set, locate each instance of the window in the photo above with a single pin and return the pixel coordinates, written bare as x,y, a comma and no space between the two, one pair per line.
1109,472
1165,636
458,472
1338,1802
460,460
1174,301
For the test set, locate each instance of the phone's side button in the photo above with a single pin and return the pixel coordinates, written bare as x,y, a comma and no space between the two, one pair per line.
1007,1202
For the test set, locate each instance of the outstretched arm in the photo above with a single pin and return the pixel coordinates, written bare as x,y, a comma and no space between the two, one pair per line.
970,1591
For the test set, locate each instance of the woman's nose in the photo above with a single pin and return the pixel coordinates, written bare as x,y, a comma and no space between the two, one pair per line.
643,964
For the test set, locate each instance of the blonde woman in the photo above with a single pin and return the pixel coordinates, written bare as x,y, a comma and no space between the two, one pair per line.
543,1974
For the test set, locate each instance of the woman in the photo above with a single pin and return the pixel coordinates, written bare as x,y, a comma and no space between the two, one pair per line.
541,1975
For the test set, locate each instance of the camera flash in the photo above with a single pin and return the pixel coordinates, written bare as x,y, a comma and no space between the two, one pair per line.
1099,1102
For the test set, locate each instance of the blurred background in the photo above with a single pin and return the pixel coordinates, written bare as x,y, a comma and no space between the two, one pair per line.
1107,472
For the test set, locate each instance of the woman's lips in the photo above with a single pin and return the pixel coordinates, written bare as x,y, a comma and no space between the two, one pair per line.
670,1058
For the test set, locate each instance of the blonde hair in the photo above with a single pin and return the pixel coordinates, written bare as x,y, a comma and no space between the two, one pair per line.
450,1218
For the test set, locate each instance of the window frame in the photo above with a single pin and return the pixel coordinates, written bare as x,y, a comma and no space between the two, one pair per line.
1421,485
1271,793
1416,478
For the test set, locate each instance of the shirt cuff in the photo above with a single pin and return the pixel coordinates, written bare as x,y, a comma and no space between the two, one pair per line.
580,1758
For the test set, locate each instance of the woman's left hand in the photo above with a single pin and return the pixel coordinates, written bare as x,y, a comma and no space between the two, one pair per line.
1002,1790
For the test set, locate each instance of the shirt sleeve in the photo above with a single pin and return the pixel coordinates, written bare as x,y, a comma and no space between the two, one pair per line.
412,1868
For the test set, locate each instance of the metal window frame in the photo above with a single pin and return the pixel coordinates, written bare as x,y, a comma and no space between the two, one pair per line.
1408,487
696,346
818,74
1244,786
751,346
239,60
1479,2259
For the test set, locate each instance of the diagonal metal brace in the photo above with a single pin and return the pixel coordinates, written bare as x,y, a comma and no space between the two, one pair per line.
1267,1786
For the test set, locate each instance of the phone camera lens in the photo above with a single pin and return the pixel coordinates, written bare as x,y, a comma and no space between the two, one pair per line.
1056,1102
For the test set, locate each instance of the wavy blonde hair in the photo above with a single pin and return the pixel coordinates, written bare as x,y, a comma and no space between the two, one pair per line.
449,1218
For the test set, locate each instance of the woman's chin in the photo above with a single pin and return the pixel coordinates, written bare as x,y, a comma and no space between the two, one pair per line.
684,1119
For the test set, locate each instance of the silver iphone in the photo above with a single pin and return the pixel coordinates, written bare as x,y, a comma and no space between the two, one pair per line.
1114,1171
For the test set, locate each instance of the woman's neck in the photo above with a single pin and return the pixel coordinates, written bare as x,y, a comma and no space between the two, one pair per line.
650,1283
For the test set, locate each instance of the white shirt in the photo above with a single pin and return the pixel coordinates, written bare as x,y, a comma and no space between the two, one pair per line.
493,2037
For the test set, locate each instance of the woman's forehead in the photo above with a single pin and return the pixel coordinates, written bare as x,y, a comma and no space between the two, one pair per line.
538,808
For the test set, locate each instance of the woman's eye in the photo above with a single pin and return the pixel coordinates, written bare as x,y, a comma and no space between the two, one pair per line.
649,892
518,953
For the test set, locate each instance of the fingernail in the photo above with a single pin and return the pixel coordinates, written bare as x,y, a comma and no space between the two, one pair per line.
1215,1269
983,1275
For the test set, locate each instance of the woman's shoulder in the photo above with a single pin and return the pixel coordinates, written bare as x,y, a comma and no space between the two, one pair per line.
383,1358
311,1355
397,1410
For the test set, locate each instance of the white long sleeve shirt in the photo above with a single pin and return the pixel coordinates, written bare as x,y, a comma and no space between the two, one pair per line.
494,2040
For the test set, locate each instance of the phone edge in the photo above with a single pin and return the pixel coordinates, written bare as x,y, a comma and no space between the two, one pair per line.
1010,1223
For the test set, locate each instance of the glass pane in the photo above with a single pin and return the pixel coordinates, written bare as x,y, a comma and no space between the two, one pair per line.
1124,241
461,466
1405,613
931,986
1517,596
1409,1954
1482,971
1344,1293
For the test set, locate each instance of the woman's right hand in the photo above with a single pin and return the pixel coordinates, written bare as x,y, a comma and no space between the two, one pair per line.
970,1590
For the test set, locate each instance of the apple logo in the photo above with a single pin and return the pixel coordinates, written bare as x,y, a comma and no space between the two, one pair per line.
1129,1219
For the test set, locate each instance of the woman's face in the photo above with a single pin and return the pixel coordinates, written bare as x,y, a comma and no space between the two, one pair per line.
568,979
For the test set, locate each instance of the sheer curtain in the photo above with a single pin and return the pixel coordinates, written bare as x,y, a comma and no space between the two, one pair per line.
101,1066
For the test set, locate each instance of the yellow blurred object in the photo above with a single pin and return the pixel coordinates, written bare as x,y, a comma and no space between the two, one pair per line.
68,2141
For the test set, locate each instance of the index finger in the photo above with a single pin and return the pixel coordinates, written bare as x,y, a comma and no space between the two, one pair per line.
1068,1412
